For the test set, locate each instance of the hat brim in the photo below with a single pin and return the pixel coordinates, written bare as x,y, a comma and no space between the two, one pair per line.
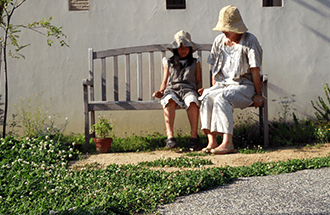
186,43
239,29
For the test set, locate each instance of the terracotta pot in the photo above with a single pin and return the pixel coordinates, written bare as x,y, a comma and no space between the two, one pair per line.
102,145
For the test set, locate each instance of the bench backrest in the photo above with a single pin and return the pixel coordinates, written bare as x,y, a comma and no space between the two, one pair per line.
141,81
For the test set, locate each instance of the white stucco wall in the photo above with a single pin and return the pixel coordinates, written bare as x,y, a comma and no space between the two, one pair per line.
295,39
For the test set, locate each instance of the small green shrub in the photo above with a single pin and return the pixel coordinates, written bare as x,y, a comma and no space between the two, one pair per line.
254,149
36,120
297,132
322,110
322,132
246,131
288,130
102,128
177,162
284,107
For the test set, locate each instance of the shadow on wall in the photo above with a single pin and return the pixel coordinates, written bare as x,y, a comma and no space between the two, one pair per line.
325,14
324,37
314,9
283,93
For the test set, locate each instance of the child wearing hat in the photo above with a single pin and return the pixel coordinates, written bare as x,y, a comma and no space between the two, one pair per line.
180,85
236,58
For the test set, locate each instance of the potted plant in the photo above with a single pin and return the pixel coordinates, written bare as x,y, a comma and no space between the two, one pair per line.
102,130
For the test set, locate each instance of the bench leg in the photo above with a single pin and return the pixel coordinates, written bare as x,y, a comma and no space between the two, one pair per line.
265,123
86,115
265,116
261,123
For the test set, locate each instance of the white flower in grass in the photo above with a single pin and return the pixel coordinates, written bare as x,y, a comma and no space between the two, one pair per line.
46,137
0,198
71,149
70,155
74,143
66,118
52,212
92,208
30,193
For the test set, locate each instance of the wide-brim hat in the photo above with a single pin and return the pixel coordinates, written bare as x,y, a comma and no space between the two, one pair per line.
230,20
182,38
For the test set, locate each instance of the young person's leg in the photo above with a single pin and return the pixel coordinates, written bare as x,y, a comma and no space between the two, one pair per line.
169,115
193,115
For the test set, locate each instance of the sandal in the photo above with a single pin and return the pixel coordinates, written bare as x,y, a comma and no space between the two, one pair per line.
171,143
217,151
194,144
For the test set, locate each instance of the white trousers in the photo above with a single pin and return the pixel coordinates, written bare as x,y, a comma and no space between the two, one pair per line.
216,110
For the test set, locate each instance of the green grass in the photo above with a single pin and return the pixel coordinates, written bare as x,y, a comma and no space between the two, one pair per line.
35,178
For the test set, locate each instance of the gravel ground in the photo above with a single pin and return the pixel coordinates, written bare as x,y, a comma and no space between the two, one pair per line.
302,192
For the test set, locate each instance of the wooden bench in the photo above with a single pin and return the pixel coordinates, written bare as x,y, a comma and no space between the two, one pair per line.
91,104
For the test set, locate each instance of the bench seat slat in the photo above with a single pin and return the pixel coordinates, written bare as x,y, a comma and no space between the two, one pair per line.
124,105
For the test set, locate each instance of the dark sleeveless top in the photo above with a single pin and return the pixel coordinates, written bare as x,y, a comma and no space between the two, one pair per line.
182,80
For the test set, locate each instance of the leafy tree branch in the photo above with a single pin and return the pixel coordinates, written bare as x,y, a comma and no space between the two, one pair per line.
11,36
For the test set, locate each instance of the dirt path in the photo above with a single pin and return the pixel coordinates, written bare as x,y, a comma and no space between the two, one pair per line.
235,159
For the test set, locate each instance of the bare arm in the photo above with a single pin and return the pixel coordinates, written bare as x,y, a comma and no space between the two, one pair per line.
160,92
199,79
257,99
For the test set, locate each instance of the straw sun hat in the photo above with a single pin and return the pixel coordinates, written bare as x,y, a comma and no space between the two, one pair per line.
184,38
230,20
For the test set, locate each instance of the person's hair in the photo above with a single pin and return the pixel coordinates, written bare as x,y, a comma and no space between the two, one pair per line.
176,57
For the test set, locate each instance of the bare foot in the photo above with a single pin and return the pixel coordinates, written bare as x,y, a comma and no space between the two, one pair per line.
226,145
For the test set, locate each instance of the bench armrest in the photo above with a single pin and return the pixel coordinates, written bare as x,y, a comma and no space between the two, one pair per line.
87,82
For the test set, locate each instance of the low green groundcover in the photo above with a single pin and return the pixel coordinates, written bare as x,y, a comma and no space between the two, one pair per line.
35,179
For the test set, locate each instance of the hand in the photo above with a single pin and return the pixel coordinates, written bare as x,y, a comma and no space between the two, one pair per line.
258,100
158,94
200,91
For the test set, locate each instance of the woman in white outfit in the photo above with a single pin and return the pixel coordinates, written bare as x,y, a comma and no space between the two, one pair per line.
236,57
